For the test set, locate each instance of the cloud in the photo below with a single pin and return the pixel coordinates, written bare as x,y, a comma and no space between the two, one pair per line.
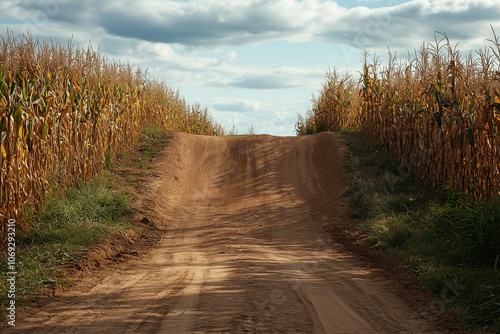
236,105
414,22
275,117
270,79
216,23
225,58
262,83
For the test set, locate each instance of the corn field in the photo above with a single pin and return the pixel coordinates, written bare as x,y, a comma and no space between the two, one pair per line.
63,108
437,112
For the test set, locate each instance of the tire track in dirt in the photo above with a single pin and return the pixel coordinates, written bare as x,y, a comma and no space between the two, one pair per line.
245,249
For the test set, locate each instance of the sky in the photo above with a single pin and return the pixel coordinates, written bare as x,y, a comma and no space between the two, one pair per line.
251,62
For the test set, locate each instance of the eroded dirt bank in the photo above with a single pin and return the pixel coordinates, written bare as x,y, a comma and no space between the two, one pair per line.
245,248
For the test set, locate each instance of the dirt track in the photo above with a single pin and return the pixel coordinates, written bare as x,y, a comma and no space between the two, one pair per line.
245,250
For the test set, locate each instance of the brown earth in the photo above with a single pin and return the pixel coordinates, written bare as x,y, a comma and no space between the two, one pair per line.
255,238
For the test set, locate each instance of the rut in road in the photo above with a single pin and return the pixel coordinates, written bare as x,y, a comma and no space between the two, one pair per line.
244,250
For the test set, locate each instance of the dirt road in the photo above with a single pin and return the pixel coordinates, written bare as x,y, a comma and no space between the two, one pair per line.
244,250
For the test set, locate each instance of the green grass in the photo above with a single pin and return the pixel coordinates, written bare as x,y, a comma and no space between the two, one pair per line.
151,141
62,229
66,225
450,238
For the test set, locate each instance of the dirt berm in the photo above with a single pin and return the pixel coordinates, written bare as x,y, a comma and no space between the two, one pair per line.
255,238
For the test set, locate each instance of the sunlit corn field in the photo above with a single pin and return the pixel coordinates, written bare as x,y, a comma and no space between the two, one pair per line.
63,108
437,111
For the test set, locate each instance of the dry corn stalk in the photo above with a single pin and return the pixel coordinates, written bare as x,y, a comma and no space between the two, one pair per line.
62,109
438,112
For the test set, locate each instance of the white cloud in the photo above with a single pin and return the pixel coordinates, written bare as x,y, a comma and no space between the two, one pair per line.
215,23
235,104
276,117
225,58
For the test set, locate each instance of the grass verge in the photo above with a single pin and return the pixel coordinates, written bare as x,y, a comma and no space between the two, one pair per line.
66,225
449,238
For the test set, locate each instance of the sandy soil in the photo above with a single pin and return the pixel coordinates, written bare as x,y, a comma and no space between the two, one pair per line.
246,247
